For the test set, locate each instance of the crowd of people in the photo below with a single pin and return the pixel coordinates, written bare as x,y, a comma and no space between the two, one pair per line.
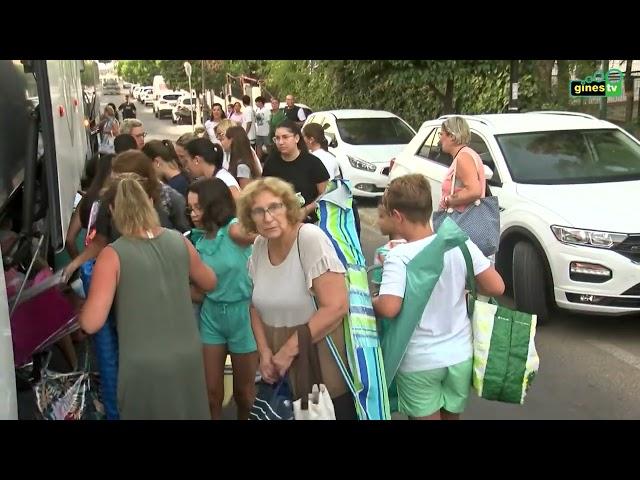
224,225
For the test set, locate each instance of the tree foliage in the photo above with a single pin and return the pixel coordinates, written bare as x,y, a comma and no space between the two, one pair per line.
414,89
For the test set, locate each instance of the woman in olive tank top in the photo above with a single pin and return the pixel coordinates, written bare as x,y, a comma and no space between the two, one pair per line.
146,273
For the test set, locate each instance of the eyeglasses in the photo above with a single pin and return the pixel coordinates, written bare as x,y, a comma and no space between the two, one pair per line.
259,213
282,138
189,210
143,134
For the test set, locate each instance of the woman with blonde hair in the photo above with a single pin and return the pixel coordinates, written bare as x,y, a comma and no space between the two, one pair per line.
294,267
109,129
464,188
220,132
466,166
146,274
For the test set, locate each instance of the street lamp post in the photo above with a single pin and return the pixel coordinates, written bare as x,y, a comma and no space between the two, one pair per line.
204,101
513,87
187,70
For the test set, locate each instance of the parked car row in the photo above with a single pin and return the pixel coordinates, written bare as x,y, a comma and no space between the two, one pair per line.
568,185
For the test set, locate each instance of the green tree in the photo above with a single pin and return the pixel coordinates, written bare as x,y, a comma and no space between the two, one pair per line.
91,74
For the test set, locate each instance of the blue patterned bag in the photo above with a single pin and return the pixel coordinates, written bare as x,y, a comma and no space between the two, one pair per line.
105,342
273,402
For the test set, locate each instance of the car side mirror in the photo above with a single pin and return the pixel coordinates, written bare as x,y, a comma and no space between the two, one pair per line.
488,173
333,143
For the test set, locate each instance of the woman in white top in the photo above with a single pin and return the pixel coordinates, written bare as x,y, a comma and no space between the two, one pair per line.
292,264
217,115
243,164
313,134
204,159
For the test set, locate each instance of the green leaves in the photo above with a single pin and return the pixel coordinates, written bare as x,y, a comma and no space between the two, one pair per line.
414,89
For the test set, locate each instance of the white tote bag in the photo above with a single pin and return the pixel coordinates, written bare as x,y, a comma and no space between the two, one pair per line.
319,405
315,402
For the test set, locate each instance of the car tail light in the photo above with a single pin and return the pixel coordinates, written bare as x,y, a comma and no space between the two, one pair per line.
393,160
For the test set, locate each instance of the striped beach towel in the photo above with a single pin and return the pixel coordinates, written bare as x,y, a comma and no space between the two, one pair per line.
365,372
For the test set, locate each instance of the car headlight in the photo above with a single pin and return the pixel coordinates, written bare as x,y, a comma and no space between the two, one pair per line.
361,164
587,238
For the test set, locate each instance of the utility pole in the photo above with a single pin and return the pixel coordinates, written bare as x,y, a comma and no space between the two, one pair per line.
187,70
604,66
513,90
204,101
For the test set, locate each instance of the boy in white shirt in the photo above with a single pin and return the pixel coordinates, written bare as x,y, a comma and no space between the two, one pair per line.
434,375
249,120
263,117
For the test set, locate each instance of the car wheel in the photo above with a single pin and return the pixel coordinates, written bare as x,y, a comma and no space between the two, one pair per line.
529,281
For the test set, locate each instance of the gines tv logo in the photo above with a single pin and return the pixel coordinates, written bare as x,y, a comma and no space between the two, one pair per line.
599,85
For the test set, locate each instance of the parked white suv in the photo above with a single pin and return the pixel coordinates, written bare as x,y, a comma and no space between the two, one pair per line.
364,142
165,102
143,92
569,190
184,106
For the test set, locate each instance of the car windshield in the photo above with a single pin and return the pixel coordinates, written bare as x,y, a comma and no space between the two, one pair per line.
170,97
374,131
186,101
572,156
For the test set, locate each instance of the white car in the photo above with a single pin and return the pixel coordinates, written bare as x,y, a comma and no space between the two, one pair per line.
142,92
165,102
147,96
180,112
364,142
569,190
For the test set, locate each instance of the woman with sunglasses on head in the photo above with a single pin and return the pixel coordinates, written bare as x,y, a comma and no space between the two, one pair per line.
294,164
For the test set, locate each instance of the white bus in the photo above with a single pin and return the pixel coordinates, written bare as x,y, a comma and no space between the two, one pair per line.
45,132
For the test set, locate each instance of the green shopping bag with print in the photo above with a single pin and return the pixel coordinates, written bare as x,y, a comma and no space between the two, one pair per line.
505,360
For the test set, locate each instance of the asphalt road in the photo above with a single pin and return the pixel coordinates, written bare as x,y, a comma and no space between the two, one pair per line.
589,365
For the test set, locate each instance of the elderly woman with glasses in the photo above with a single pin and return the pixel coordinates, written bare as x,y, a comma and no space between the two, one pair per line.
292,162
297,279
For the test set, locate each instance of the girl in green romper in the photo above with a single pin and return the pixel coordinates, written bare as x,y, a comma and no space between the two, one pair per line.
225,325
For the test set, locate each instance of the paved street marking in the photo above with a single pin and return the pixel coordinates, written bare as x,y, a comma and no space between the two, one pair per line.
621,354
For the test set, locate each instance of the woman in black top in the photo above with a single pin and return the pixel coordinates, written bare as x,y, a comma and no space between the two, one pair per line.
294,164
165,161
